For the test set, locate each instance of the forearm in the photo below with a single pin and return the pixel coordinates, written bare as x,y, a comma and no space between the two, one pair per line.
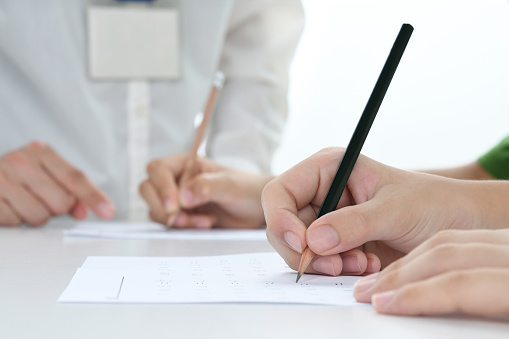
488,201
472,171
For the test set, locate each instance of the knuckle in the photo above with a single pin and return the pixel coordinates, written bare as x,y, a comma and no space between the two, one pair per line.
39,220
409,294
389,279
93,197
455,278
202,188
38,145
443,251
155,166
63,205
395,265
269,187
164,190
329,152
443,237
74,176
144,186
16,160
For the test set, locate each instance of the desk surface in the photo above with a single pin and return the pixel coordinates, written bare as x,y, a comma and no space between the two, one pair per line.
37,264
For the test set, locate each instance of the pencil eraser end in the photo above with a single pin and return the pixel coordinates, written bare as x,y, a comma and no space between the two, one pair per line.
219,78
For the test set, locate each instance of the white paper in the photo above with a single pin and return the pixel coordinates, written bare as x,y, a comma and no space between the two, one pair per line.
157,231
246,278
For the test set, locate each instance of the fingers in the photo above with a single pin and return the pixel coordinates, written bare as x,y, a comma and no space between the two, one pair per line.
452,237
224,187
455,271
307,183
295,190
286,232
205,188
439,260
446,251
291,202
374,264
19,203
7,215
474,291
349,227
352,262
155,194
215,196
36,184
161,190
162,176
151,196
74,181
185,219
22,168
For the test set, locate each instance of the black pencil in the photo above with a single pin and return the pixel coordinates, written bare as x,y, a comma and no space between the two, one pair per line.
359,135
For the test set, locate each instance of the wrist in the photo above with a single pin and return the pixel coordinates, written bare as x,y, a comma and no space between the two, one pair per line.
488,201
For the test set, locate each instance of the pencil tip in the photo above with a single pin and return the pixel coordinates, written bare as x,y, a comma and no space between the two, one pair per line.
298,277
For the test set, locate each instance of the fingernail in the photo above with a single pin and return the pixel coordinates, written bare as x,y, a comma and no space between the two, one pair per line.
170,222
178,220
351,264
293,241
186,197
323,238
364,284
202,223
380,301
324,265
105,210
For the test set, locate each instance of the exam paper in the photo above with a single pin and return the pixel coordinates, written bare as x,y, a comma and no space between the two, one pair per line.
149,230
255,277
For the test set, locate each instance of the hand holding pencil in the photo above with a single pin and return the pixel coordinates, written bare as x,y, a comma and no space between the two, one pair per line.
359,136
349,158
188,191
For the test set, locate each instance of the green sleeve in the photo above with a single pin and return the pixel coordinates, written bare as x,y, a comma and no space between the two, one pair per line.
496,160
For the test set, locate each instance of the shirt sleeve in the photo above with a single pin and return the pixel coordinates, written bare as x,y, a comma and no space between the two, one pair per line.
251,112
496,160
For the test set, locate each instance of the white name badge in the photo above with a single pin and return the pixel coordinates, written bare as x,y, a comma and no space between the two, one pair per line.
133,42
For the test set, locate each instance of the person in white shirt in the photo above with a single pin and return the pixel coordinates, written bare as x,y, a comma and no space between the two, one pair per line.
77,133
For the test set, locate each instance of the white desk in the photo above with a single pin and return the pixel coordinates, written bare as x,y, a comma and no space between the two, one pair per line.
37,264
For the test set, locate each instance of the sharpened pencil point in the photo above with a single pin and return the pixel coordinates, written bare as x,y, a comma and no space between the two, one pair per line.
298,277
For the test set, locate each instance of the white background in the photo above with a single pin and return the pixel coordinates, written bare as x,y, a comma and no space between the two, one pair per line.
447,104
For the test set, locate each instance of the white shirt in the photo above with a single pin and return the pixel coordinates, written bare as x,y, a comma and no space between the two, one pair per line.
111,129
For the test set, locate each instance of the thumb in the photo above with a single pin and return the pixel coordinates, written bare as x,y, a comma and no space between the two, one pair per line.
349,227
205,188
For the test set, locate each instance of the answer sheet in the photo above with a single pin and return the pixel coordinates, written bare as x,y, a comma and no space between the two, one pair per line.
246,278
150,230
